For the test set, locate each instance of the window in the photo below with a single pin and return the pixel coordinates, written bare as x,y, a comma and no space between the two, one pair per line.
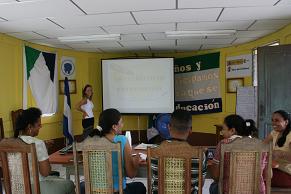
255,61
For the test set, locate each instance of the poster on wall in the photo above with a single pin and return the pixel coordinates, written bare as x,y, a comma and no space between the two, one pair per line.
68,67
239,66
197,84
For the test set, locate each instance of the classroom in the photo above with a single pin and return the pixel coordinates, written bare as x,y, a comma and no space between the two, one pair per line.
148,59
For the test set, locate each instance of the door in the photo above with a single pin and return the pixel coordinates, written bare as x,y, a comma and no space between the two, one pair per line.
274,84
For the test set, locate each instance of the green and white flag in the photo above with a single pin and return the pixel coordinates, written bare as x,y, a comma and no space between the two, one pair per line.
40,71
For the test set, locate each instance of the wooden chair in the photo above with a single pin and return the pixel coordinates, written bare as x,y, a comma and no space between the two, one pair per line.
1,129
14,115
244,156
1,137
15,163
97,162
174,161
218,133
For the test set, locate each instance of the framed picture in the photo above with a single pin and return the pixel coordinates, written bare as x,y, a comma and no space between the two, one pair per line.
233,83
72,86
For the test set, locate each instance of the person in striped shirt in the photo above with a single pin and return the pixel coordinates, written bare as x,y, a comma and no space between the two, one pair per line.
180,127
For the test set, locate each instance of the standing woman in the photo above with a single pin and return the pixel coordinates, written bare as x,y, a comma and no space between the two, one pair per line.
86,107
28,125
281,137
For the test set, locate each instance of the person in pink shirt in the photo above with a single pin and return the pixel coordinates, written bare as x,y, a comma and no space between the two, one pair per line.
234,126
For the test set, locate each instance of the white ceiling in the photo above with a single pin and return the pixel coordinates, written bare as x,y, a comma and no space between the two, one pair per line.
142,23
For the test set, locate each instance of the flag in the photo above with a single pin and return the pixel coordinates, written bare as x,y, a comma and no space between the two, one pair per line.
67,121
40,71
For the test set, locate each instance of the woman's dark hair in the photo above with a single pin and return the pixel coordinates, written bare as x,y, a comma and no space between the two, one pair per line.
107,118
84,91
28,116
285,115
242,127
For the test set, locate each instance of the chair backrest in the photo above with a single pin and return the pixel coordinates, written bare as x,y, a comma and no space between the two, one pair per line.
1,129
15,156
97,162
14,116
245,158
174,163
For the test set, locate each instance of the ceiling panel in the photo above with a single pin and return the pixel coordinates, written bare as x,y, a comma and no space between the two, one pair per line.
108,6
155,36
114,49
193,47
27,25
269,24
183,15
133,48
26,35
95,20
131,37
226,25
94,45
193,41
149,43
38,9
54,33
92,50
163,47
256,13
61,46
218,40
52,41
8,1
223,3
243,40
146,28
284,3
213,46
253,34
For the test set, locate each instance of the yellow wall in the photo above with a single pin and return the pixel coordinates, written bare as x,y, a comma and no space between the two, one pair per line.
88,68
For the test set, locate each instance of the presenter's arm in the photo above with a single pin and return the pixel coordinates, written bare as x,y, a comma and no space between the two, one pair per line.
78,106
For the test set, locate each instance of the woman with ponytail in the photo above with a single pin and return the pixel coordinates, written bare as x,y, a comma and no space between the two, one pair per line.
28,125
234,126
109,127
281,137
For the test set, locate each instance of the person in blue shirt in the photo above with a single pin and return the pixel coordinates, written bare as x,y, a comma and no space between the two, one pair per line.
110,125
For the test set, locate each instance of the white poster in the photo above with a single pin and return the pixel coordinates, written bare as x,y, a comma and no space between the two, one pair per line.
239,66
68,68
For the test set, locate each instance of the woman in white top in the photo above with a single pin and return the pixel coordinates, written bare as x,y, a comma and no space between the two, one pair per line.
281,137
86,107
28,125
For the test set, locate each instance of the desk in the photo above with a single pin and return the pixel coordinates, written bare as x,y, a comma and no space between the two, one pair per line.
67,161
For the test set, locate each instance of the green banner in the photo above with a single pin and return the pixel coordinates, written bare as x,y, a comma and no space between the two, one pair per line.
196,63
197,84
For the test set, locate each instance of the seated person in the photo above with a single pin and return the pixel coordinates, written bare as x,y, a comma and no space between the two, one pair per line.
281,137
180,127
234,126
28,125
110,125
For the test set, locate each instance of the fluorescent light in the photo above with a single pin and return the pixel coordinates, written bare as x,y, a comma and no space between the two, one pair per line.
89,38
199,33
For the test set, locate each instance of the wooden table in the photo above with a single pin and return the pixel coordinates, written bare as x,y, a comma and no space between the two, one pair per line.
67,161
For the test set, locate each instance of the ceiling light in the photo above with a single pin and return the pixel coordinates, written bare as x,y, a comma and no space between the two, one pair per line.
199,33
90,38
